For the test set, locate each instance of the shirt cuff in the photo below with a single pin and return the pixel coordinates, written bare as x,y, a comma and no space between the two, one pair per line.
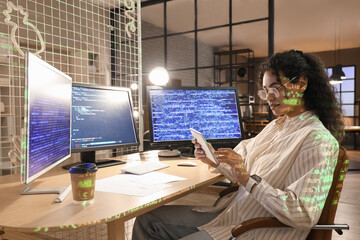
250,184
227,171
260,191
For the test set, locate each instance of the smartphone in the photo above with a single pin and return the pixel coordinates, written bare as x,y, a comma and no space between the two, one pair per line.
204,145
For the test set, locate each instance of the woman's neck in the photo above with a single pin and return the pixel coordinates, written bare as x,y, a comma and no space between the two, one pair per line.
296,111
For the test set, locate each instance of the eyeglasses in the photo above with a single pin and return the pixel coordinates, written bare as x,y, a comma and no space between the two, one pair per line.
275,91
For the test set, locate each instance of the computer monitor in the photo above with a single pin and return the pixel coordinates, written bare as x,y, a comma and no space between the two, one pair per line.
214,111
102,118
47,121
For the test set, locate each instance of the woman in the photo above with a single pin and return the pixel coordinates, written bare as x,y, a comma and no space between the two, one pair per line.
285,171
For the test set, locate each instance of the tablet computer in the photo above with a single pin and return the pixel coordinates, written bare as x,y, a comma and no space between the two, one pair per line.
204,145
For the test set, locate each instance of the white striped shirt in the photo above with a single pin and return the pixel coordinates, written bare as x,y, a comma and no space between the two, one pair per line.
295,157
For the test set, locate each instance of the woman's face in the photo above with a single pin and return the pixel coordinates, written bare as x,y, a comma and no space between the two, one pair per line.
290,98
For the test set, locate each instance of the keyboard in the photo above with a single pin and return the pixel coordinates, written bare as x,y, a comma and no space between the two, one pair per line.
146,167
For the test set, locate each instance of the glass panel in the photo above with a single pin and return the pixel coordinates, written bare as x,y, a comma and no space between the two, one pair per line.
257,32
347,98
329,71
348,85
152,54
150,30
206,77
253,10
207,42
180,16
349,71
181,51
348,110
152,20
185,78
337,95
337,87
207,9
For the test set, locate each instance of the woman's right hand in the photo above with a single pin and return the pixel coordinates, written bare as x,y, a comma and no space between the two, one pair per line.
200,153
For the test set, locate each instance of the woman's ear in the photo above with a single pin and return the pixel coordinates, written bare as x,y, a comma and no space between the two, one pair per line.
303,84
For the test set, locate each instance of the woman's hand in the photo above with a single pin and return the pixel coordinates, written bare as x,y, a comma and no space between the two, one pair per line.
229,156
200,154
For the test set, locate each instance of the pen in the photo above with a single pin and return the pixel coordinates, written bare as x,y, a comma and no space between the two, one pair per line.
63,194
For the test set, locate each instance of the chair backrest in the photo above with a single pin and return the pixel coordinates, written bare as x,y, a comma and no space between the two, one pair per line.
332,200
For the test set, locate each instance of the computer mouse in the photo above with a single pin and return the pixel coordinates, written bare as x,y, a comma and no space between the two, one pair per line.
187,164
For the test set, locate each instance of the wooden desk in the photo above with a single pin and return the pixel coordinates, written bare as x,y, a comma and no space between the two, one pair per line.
355,130
39,213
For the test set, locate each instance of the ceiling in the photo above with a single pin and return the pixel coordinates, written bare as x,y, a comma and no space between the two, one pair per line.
307,25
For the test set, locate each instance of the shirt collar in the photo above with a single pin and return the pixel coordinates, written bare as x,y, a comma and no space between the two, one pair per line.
297,120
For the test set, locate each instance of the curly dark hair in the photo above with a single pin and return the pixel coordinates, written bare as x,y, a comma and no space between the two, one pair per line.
319,95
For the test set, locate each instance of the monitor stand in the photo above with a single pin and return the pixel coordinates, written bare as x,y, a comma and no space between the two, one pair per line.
31,191
89,157
169,153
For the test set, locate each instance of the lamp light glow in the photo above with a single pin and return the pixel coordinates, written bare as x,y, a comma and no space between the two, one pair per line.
159,76
136,114
333,82
134,86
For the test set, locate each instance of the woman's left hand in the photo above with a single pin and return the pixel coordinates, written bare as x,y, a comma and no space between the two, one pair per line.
229,156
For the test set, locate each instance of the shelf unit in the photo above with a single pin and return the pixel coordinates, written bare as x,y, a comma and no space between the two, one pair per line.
253,125
242,69
241,60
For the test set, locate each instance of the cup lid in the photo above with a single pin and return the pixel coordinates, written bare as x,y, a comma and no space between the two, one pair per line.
83,168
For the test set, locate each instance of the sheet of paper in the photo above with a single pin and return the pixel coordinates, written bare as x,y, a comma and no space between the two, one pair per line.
135,185
154,178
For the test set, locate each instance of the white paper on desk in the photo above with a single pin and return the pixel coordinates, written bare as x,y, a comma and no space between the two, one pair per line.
154,178
123,184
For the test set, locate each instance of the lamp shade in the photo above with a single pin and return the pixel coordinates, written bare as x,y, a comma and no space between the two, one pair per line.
341,72
337,74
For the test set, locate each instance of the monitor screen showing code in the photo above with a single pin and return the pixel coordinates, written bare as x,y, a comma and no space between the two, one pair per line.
101,118
49,109
214,112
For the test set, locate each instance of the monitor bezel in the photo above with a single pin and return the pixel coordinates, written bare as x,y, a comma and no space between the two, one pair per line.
113,88
25,157
180,143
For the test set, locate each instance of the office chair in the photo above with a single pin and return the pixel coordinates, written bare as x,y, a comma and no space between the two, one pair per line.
322,230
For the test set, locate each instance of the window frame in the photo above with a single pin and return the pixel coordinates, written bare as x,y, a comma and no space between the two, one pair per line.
339,92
